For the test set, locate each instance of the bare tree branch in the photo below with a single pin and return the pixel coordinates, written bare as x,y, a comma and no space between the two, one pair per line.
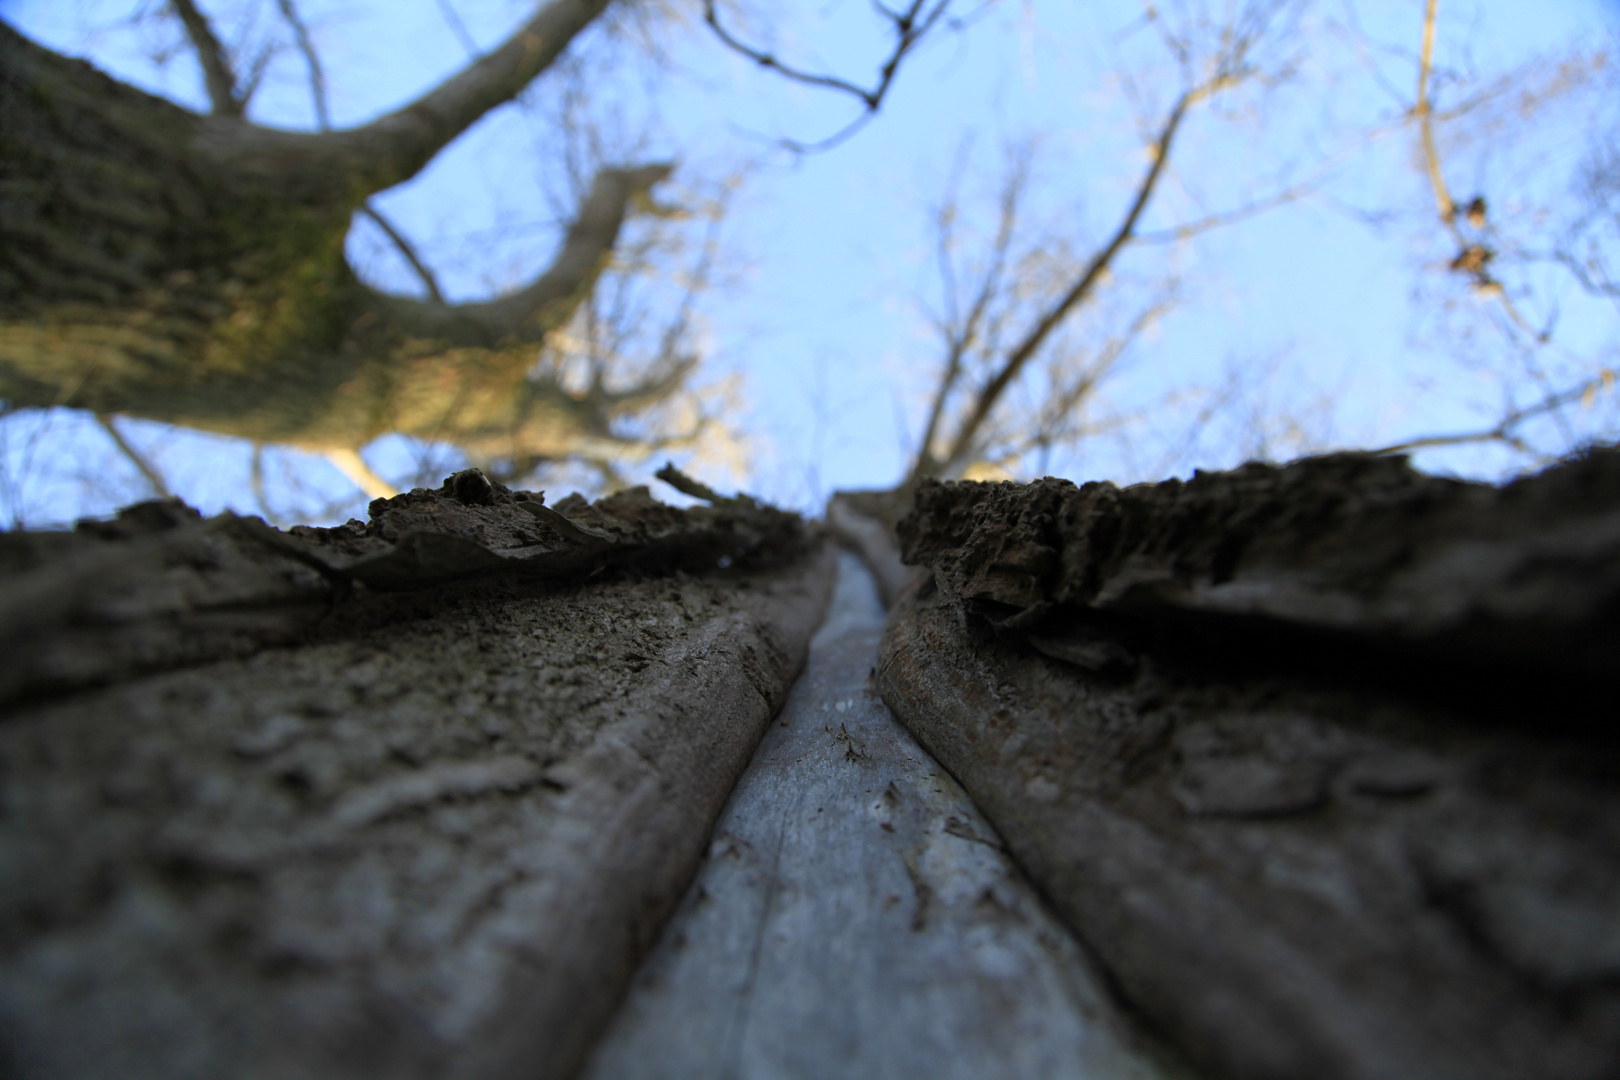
317,76
323,119
910,26
393,148
353,466
1503,430
1473,257
967,434
136,458
961,332
1431,157
406,249
217,75
548,300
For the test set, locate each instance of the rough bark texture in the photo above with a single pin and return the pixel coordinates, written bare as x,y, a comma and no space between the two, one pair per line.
190,269
856,917
294,826
1309,755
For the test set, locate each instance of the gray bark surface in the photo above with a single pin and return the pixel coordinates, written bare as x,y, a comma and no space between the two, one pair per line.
418,834
856,917
864,522
1363,823
191,269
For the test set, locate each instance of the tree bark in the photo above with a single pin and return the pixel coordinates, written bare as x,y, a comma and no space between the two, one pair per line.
356,802
856,916
190,269
1319,759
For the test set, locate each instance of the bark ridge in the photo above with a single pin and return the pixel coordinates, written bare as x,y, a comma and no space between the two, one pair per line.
1308,754
411,833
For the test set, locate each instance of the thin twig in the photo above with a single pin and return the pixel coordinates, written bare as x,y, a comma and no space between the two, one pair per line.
962,333
1471,257
136,458
323,118
1503,431
406,249
910,27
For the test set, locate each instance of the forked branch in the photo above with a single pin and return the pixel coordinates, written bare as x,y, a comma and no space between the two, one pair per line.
393,148
909,26
551,298
1505,431
217,75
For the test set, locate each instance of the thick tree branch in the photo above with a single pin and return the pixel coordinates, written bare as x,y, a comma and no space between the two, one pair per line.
360,161
217,75
354,467
411,136
323,119
547,302
966,436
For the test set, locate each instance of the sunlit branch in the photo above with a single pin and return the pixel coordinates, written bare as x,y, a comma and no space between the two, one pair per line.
1472,258
1431,157
961,333
317,75
353,466
1503,430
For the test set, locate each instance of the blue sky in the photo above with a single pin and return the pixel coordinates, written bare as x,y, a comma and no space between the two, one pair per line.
1327,322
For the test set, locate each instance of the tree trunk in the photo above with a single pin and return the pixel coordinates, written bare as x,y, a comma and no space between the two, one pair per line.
406,799
1320,760
856,917
190,269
